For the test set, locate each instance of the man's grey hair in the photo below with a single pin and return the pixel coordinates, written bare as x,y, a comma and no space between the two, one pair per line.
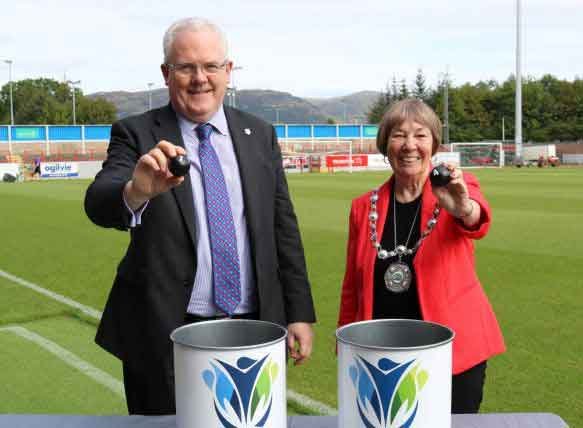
191,24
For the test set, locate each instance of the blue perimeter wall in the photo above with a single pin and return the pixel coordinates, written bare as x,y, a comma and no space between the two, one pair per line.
63,133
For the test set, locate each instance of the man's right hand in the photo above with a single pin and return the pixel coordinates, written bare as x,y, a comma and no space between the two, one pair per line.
151,175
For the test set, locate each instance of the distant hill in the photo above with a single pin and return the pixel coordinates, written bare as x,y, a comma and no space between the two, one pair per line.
129,103
273,105
269,105
349,108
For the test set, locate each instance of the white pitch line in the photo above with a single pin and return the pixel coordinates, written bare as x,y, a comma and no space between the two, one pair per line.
69,358
311,404
55,296
293,396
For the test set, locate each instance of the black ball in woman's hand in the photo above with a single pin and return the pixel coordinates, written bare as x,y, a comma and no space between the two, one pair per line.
179,165
440,176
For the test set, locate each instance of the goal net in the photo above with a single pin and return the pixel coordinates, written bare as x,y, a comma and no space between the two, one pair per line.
490,154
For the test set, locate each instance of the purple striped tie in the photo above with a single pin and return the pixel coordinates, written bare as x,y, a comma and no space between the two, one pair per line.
225,257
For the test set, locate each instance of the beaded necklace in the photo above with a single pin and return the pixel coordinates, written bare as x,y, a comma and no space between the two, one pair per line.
398,274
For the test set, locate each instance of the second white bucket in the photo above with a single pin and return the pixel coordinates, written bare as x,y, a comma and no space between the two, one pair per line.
394,373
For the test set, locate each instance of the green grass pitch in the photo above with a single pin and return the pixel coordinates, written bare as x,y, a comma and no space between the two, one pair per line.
531,265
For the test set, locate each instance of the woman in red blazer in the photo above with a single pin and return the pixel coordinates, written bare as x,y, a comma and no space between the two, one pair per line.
411,254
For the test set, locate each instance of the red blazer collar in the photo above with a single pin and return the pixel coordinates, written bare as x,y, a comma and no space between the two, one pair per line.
428,201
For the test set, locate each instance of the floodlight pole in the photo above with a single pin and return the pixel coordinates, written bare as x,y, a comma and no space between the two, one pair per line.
446,108
518,118
9,62
233,88
150,84
74,104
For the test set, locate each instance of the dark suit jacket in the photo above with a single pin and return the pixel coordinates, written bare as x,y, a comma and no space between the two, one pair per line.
154,279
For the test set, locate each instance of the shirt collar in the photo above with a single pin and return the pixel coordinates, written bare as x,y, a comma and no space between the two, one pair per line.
217,120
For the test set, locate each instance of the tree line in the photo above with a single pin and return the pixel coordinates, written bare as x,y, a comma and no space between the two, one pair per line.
47,101
552,109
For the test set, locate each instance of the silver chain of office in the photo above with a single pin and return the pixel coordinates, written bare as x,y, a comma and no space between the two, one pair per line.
399,250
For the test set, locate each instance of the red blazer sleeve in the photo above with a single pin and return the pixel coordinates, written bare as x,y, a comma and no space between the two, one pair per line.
349,295
481,229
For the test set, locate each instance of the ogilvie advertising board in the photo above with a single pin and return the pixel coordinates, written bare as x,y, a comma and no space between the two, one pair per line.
59,169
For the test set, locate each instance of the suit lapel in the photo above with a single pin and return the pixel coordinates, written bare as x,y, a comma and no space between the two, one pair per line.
247,158
166,128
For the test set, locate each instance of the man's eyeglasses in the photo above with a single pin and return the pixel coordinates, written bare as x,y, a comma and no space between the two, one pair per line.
188,69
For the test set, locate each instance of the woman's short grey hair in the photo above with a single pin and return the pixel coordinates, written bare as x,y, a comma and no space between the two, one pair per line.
191,24
408,109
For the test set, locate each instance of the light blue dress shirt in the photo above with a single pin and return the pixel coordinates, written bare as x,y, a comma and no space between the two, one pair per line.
201,300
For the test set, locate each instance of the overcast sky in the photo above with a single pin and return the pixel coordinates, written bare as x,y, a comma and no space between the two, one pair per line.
312,48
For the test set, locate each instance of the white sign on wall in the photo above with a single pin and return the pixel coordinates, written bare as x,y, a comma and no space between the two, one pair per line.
59,169
9,168
446,157
378,161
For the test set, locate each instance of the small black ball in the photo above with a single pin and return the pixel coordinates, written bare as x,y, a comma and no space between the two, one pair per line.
440,176
179,165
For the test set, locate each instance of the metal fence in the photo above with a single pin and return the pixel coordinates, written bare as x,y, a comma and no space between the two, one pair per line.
572,159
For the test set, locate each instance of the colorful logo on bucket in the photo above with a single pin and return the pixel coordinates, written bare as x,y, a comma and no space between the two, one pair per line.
242,394
387,394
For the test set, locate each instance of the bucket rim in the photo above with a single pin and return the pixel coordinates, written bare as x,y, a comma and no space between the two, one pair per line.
394,348
229,348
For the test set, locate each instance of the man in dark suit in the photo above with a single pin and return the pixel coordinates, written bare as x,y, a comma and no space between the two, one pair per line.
169,274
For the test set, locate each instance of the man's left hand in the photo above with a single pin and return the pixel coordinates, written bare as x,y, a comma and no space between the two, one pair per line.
300,333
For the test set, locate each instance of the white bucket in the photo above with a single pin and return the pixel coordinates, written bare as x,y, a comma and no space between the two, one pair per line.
394,373
230,373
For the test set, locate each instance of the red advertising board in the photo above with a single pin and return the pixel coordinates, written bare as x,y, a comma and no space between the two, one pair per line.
342,161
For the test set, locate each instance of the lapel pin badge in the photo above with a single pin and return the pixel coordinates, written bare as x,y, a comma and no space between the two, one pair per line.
247,131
